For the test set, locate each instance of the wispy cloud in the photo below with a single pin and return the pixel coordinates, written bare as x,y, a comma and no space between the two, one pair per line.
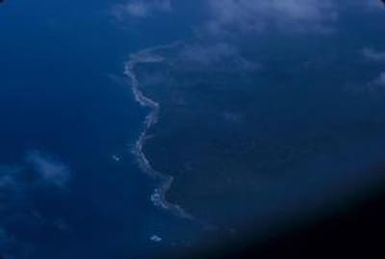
227,20
209,54
373,4
380,80
36,171
140,8
8,175
49,170
373,55
246,15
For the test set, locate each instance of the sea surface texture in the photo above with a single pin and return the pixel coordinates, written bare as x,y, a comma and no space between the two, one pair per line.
134,129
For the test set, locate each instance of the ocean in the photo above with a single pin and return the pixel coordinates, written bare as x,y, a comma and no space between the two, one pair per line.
256,127
63,95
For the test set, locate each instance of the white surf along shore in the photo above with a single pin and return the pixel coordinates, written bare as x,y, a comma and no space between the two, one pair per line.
159,195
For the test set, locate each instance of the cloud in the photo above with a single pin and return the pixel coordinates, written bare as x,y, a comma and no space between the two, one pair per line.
49,170
140,8
8,175
207,55
373,55
377,85
246,15
18,185
373,4
215,53
380,80
46,170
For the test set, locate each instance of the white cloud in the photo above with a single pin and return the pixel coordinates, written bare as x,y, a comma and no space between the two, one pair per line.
377,85
17,182
209,54
215,54
248,15
373,55
140,8
373,4
8,175
49,170
380,80
228,20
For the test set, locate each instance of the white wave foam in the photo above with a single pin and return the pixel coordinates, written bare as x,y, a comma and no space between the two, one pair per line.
158,197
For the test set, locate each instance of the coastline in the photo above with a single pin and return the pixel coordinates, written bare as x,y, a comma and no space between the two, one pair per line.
158,196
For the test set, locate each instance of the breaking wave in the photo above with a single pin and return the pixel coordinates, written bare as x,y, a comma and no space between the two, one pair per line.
158,197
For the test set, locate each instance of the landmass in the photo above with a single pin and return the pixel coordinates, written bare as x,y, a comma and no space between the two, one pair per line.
259,131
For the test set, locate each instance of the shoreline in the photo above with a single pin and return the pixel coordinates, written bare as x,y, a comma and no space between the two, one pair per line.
158,197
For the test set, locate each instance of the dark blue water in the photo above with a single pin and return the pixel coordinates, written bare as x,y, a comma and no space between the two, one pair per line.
69,186
63,97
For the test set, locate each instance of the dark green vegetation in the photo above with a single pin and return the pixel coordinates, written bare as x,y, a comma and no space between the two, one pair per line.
248,139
